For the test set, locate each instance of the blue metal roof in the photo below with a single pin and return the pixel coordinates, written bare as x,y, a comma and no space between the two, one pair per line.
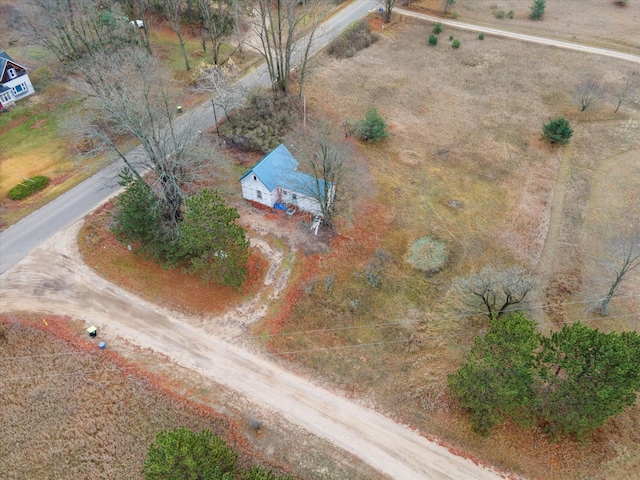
304,184
278,169
275,168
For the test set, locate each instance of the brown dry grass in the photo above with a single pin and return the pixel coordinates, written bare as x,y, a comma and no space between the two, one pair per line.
593,22
465,126
71,410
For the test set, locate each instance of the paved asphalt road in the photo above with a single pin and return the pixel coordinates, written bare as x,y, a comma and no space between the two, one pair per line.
17,241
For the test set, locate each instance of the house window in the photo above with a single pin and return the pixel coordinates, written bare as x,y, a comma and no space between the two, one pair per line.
255,179
284,192
259,194
5,97
294,196
18,89
12,73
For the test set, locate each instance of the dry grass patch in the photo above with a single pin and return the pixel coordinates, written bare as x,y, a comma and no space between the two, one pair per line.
464,163
71,410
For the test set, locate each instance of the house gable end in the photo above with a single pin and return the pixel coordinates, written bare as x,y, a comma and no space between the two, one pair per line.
7,65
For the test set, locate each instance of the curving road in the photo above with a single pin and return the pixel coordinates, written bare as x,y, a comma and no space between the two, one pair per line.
54,279
18,240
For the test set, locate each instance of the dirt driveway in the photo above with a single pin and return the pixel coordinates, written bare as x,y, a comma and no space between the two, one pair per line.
53,279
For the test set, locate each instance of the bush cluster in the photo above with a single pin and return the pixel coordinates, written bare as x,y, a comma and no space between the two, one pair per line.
261,124
182,453
28,187
355,37
433,40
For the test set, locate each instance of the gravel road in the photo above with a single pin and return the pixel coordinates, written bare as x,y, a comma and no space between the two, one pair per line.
53,279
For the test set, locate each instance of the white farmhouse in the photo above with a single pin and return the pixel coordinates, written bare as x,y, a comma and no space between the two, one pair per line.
275,180
14,81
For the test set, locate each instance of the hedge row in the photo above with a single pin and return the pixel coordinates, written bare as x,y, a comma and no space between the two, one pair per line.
28,187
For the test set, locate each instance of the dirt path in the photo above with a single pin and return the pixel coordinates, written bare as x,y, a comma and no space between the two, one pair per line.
53,279
548,262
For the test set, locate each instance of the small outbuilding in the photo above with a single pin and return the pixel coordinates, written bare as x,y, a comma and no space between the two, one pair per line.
275,180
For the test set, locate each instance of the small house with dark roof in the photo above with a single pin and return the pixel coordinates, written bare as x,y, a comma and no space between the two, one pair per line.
14,81
275,180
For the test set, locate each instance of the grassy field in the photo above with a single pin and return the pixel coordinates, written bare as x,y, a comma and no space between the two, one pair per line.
71,410
607,24
465,164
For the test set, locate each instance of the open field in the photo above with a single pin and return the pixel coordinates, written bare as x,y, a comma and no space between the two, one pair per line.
465,164
71,410
592,22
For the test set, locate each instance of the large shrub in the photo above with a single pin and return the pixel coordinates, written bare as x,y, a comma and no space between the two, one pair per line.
557,131
261,124
357,36
28,187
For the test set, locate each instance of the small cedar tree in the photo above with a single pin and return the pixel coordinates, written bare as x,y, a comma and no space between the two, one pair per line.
373,128
138,213
537,9
557,131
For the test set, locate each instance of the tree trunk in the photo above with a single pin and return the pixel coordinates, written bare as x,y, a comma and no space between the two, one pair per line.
184,51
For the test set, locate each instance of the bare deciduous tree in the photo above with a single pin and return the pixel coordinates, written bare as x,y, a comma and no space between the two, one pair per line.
588,93
73,29
628,89
496,291
172,11
332,185
628,259
133,96
218,21
140,7
285,29
221,80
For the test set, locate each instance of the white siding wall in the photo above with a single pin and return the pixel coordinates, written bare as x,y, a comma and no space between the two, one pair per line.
23,84
308,204
251,187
